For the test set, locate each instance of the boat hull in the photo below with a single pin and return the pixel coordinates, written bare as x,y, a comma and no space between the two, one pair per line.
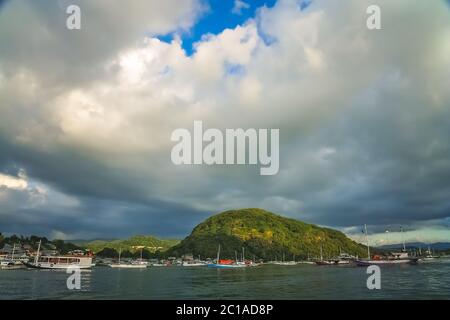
226,266
325,263
128,266
365,263
56,266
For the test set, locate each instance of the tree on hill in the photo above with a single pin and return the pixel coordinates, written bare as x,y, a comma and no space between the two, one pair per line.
264,235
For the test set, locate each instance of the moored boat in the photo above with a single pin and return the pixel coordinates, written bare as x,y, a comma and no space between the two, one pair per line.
286,263
128,266
138,264
193,264
393,258
59,262
227,263
325,262
429,256
10,265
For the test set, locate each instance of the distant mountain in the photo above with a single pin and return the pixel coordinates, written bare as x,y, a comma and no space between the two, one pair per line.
264,235
415,245
133,244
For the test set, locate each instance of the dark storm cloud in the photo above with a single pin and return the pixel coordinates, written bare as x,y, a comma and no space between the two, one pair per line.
364,120
94,218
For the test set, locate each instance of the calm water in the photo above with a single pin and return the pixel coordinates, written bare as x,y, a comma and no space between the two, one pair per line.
424,281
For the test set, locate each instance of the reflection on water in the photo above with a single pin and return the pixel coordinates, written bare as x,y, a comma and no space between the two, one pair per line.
423,281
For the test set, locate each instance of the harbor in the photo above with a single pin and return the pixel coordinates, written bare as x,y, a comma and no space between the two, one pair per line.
301,281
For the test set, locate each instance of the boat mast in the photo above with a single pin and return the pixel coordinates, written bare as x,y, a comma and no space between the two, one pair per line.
218,254
243,256
12,254
403,239
367,240
120,252
37,253
321,253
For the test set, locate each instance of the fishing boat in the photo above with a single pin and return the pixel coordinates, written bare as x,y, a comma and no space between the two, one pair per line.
393,258
59,262
140,264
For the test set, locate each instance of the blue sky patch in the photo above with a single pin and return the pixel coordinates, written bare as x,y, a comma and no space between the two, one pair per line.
220,15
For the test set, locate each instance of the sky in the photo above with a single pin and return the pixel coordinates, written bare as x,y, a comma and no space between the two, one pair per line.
86,115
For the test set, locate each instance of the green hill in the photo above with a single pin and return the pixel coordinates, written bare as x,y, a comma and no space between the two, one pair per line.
133,244
264,235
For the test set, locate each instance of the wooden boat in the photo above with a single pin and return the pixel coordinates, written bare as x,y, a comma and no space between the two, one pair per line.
394,258
59,262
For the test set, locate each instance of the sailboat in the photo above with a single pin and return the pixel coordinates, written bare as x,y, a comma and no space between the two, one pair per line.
429,255
226,264
307,261
140,261
323,262
286,263
394,258
132,265
11,263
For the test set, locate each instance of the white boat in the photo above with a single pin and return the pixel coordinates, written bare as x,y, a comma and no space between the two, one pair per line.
193,264
59,262
158,264
429,256
307,261
127,266
8,264
324,262
285,263
139,264
13,262
344,258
